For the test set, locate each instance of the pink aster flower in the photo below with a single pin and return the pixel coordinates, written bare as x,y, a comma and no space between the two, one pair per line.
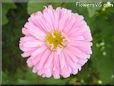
57,42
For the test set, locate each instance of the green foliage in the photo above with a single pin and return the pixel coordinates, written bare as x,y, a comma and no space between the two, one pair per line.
102,55
27,77
34,7
39,6
98,70
5,9
92,11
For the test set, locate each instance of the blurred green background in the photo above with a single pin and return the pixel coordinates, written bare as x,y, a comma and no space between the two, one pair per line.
98,70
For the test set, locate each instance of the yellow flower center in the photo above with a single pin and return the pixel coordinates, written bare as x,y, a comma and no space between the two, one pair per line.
55,40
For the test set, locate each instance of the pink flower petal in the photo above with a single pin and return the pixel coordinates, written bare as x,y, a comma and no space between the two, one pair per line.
43,59
49,61
56,69
62,60
35,31
38,51
69,56
32,44
25,32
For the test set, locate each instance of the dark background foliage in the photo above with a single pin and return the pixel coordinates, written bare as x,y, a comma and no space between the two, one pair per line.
98,70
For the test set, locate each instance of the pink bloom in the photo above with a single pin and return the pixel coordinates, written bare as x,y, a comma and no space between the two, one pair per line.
57,42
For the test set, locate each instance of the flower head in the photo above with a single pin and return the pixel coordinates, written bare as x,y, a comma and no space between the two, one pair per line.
57,42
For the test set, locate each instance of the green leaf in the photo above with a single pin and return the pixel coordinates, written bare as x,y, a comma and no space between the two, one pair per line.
39,6
102,57
35,79
30,78
104,65
5,8
34,7
92,11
